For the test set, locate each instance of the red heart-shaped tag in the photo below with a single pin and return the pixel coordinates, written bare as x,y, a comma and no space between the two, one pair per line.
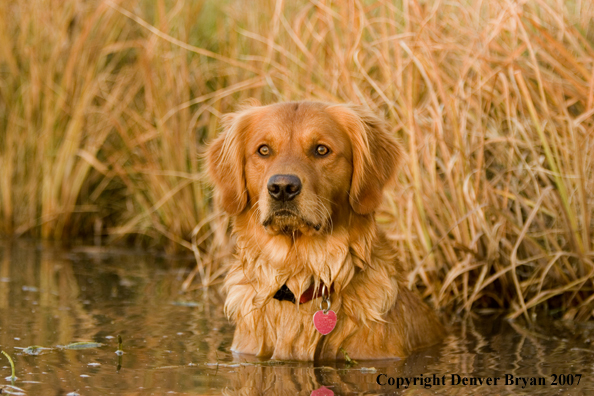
325,322
323,391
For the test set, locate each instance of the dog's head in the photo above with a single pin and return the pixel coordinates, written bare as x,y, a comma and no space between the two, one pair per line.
300,167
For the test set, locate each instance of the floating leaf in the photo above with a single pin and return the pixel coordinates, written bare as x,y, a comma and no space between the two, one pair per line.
81,345
35,350
186,304
11,390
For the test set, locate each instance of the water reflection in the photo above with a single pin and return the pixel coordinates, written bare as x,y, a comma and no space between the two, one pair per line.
303,378
178,343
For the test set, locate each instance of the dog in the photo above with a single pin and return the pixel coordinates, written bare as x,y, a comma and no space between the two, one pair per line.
301,181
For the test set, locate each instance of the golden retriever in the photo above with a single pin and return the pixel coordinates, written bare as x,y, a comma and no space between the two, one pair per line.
302,181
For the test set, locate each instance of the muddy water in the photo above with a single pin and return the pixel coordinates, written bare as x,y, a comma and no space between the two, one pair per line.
177,343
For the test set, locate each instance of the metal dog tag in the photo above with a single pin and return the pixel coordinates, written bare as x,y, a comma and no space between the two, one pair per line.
325,319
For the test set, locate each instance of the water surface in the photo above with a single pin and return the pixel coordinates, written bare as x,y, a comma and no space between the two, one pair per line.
178,343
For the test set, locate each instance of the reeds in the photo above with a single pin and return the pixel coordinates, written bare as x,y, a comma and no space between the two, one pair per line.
106,106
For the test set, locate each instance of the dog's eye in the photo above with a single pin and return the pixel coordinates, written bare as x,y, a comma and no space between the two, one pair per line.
322,150
264,150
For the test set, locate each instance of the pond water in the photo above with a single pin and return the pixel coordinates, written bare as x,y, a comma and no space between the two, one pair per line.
178,343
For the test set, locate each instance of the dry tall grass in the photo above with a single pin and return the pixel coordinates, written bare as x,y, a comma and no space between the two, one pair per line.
106,105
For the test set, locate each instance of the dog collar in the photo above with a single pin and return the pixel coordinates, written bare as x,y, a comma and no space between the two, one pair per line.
285,294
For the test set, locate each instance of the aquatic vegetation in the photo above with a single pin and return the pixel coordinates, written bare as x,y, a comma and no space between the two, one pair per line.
12,377
120,350
349,362
81,345
11,390
35,350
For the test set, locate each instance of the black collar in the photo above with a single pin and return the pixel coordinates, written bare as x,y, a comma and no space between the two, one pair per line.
285,294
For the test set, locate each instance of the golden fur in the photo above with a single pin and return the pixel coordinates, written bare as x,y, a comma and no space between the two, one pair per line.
329,235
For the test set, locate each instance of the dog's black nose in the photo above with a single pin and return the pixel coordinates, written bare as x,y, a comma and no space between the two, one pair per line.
284,187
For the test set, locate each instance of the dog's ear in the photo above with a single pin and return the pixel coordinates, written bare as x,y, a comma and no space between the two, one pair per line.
376,155
225,162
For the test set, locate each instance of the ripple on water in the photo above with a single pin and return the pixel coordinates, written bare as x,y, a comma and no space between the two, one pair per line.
179,343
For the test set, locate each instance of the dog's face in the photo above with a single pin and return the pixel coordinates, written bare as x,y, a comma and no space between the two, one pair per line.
298,168
301,166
